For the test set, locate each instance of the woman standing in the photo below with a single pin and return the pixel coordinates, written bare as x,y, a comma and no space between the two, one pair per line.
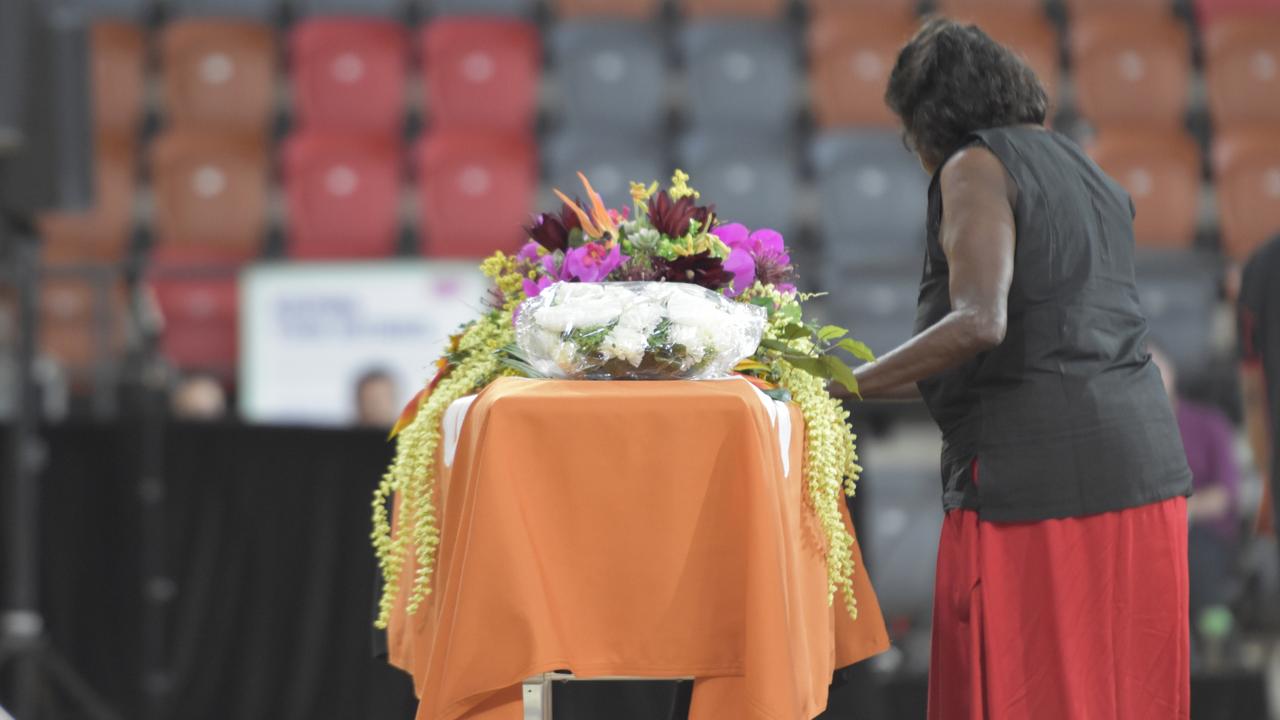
1062,566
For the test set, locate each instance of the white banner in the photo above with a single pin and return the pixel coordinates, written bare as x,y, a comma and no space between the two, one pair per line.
309,332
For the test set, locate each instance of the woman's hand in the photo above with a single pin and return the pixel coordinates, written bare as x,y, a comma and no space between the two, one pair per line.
978,235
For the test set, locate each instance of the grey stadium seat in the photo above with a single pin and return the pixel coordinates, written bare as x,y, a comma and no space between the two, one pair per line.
509,8
611,161
750,179
873,196
1179,293
877,304
609,74
742,75
903,518
117,9
244,9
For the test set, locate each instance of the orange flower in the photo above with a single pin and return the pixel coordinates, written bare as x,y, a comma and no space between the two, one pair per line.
599,222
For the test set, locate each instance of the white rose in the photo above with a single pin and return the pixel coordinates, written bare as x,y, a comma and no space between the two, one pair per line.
691,337
626,344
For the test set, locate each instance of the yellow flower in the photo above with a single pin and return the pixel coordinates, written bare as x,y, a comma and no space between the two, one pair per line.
680,186
641,194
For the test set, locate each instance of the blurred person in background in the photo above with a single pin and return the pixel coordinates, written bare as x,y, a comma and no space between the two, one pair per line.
1259,335
199,397
1062,584
1214,510
375,399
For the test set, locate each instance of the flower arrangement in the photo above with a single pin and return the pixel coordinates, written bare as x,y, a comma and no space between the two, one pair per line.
592,253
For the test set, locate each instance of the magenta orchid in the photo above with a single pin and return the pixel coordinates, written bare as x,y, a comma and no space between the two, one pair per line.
592,262
760,255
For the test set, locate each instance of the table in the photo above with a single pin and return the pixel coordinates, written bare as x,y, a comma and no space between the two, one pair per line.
638,529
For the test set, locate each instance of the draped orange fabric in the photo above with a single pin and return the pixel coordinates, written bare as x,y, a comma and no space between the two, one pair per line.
629,529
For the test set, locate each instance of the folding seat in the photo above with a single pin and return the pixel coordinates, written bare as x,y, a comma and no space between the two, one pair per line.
1030,35
628,9
1242,70
873,195
211,196
82,319
218,74
820,11
349,74
1179,296
851,56
343,195
1211,11
876,302
391,9
200,314
101,233
757,9
610,160
956,8
902,525
263,10
119,59
482,72
1131,67
743,75
1246,165
610,74
753,180
1152,7
476,191
511,8
132,10
1160,169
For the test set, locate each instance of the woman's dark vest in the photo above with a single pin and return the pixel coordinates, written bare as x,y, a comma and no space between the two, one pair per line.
1068,416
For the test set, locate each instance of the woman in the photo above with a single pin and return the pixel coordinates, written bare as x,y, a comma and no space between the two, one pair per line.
1062,566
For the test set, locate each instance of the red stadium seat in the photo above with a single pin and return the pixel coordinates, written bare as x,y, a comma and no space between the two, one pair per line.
211,196
623,9
343,194
482,73
1242,70
200,330
1161,172
101,233
1029,34
476,189
119,59
748,9
219,74
821,10
1246,165
1131,67
82,320
349,74
1211,11
852,54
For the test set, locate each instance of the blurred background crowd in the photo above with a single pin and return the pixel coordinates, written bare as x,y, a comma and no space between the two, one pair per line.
291,196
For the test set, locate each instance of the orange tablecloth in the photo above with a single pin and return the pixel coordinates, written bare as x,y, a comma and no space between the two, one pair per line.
629,529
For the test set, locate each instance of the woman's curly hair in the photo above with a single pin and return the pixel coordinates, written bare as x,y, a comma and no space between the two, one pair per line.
951,80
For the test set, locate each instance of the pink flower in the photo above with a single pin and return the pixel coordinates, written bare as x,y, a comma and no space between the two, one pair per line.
743,267
533,288
529,253
592,262
770,263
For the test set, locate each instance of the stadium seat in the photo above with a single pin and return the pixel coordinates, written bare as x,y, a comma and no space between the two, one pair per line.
1211,11
1131,68
476,191
1246,165
851,56
264,10
1242,70
902,526
876,302
210,195
200,319
482,73
523,9
956,8
343,195
1161,172
742,75
622,9
119,59
610,160
758,9
1077,7
82,319
218,74
873,195
610,74
131,10
821,11
349,74
753,180
1030,35
1179,295
392,9
101,233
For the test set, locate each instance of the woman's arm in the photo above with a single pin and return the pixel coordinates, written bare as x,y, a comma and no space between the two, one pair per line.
978,238
1257,426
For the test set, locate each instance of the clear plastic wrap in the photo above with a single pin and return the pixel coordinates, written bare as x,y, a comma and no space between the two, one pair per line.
636,331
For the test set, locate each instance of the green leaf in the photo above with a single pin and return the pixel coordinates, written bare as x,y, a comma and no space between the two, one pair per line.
841,373
812,365
857,349
779,394
790,311
831,332
795,332
777,345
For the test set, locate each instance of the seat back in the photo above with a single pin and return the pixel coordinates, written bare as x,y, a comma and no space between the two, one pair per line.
218,74
755,9
1179,294
83,323
851,55
610,160
262,10
1161,172
482,73
119,61
1242,70
349,74
621,9
876,303
102,232
610,74
753,181
1246,166
391,9
1131,68
743,74
524,9
201,319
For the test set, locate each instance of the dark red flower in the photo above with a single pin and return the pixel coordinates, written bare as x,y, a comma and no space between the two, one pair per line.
700,269
672,217
552,231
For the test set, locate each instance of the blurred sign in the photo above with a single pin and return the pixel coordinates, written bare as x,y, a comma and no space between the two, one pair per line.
310,332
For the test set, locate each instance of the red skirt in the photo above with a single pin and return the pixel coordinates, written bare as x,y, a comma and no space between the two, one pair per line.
1075,619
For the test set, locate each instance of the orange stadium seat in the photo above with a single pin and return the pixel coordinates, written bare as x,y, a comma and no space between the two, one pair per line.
1246,165
482,73
1030,35
1131,67
210,195
1075,7
101,233
200,330
1210,11
1242,70
632,9
822,10
852,54
957,8
477,190
349,74
753,9
343,195
119,59
1161,172
218,74
82,320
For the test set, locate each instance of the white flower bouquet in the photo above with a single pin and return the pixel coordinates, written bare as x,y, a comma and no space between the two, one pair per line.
636,331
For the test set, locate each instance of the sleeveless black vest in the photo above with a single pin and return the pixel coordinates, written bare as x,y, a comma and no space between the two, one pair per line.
1068,416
